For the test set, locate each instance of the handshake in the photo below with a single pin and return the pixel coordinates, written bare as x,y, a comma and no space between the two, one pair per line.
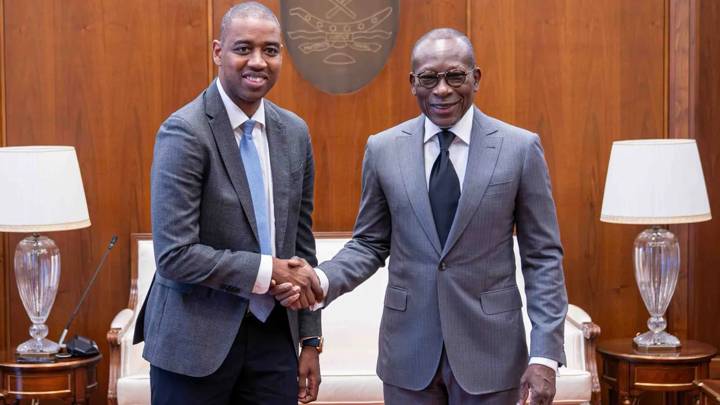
295,284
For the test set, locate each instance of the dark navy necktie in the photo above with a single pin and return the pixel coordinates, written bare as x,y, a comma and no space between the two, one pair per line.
444,188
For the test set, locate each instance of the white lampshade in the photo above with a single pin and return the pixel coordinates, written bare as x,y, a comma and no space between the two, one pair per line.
655,181
42,190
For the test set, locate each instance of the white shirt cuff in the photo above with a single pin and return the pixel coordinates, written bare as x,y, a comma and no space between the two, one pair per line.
262,282
324,284
545,362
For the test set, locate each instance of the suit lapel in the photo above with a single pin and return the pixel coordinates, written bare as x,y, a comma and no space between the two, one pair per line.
411,159
229,152
280,168
482,158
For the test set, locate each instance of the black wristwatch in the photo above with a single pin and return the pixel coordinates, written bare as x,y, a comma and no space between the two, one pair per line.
313,341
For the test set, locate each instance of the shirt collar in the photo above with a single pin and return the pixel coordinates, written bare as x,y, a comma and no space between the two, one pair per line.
236,115
461,129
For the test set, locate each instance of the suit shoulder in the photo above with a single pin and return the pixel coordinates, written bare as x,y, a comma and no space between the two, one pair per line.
287,117
189,117
191,110
521,134
388,135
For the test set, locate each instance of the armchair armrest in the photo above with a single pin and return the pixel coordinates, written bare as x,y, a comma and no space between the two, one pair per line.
118,326
591,332
577,316
122,319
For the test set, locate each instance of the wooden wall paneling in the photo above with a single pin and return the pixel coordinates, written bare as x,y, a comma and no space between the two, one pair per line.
679,107
4,268
210,29
582,74
340,124
101,76
705,255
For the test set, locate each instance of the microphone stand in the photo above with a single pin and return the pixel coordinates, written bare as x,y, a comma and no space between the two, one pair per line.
113,240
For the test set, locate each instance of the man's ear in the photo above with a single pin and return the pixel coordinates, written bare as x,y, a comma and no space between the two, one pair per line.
412,84
217,52
477,74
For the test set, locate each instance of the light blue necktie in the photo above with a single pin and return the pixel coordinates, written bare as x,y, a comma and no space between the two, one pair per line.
260,305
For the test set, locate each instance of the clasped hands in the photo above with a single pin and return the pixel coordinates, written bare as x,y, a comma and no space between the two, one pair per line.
295,284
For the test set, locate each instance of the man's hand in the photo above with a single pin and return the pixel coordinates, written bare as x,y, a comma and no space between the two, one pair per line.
286,293
297,273
308,375
537,385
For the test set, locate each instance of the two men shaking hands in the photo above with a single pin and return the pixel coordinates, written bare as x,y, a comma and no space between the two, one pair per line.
232,193
295,284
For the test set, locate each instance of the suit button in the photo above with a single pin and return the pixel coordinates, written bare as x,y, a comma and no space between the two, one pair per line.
442,266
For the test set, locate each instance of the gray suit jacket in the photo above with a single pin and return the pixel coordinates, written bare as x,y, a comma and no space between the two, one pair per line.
205,237
462,296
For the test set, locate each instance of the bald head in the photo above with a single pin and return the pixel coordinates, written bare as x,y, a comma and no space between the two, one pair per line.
250,9
447,34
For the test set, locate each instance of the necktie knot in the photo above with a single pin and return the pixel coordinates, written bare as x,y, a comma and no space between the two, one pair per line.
445,138
247,128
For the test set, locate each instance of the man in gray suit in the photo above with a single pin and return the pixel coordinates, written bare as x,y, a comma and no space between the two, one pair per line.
441,195
232,198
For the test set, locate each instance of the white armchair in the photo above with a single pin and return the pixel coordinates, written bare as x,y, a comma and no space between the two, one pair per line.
129,374
350,327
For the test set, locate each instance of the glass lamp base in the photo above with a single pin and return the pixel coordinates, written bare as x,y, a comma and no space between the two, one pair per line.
37,347
659,340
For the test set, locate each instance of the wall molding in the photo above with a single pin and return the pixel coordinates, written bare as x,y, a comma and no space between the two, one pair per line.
4,266
210,28
679,110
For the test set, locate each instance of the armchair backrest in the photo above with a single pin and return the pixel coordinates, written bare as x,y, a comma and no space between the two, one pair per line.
142,270
352,323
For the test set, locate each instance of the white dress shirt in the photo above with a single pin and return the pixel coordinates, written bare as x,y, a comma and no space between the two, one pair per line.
458,148
237,117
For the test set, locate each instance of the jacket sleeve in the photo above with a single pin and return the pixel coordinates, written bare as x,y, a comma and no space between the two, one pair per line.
541,255
309,321
366,252
177,181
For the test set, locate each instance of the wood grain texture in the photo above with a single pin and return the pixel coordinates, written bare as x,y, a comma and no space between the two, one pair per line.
71,380
4,268
704,254
581,74
679,89
102,76
340,124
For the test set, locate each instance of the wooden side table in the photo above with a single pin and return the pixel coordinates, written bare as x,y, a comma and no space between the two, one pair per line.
709,392
628,372
72,380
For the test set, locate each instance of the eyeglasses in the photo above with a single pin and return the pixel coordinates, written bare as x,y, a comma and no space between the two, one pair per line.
428,80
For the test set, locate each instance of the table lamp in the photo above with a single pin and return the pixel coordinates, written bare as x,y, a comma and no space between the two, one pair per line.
655,182
42,192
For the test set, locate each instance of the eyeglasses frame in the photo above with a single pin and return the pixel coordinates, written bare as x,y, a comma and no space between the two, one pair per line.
414,77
